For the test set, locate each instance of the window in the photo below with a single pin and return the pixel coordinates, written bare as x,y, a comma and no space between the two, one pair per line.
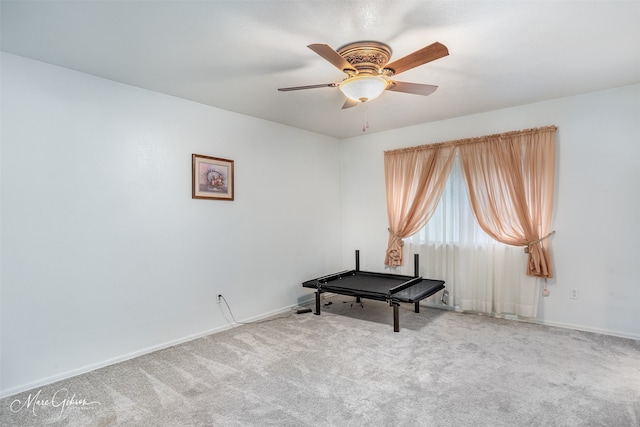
481,274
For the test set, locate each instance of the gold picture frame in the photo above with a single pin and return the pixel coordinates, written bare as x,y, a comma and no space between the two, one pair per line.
212,178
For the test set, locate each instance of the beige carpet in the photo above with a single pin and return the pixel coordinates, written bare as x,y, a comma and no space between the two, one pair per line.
348,368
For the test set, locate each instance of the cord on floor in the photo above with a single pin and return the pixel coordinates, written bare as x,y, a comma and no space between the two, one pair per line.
248,323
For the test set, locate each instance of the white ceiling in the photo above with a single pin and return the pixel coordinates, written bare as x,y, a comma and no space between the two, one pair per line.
235,54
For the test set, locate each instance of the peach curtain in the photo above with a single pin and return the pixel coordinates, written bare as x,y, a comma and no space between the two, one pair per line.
510,177
414,179
511,186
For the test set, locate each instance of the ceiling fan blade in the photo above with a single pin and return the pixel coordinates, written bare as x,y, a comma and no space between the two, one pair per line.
287,89
332,56
426,54
348,103
414,88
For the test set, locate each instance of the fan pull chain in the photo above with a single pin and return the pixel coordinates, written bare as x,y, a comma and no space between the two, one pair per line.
365,119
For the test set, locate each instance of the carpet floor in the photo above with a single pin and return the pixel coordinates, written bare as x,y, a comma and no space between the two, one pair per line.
348,368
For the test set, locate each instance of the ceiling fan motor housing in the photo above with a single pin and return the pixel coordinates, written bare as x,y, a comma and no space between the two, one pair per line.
367,57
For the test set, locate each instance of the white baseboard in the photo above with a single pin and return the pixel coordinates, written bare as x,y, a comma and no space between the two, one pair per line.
88,368
588,329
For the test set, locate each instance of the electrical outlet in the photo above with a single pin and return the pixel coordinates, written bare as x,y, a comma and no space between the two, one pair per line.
219,298
574,293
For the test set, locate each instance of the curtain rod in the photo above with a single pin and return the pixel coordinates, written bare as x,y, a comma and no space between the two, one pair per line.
474,139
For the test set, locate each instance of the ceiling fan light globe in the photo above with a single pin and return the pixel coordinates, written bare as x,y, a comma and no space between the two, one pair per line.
363,88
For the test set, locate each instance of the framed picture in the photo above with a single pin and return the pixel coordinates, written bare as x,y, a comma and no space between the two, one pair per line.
212,178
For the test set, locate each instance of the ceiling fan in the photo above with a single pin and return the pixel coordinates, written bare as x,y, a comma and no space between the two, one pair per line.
368,70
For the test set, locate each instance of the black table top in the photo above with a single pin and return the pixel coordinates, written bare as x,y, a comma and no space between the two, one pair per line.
376,285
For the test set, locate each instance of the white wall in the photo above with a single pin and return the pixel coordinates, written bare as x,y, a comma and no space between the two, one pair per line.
597,215
105,255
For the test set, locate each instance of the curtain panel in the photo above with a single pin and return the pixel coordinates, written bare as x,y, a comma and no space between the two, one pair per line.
510,178
414,182
511,188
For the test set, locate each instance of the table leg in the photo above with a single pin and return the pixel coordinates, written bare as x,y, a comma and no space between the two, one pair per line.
396,317
417,307
317,303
